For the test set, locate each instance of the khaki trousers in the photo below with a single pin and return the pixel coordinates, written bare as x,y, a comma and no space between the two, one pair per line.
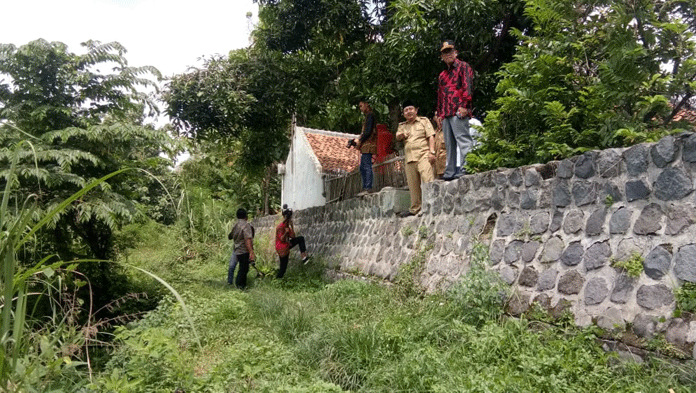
418,172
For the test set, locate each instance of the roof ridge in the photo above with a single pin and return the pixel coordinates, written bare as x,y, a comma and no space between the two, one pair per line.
327,132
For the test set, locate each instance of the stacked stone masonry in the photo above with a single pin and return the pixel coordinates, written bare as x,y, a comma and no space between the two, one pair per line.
553,232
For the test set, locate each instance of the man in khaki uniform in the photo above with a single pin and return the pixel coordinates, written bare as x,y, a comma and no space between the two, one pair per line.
419,147
440,149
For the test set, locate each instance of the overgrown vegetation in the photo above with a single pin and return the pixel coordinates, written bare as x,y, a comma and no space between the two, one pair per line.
633,266
685,296
308,335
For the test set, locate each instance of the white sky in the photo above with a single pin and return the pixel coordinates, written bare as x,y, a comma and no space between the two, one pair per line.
167,34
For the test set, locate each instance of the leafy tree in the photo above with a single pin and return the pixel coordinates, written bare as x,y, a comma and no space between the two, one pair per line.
81,124
594,74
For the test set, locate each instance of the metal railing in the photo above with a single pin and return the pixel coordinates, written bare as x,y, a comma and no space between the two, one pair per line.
388,173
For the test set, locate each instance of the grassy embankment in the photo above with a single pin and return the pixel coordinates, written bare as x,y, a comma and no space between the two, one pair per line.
306,335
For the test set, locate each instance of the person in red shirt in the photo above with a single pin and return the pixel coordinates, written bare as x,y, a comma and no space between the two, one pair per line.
286,239
454,94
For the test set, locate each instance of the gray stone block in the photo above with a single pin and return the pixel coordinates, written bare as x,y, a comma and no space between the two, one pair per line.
595,224
528,277
611,319
636,189
572,255
547,280
585,165
654,297
515,177
565,169
552,250
508,274
685,263
689,149
561,193
539,223
448,204
518,303
528,199
529,250
500,177
672,184
513,251
545,198
657,263
623,288
573,221
677,332
636,159
596,255
680,217
650,220
596,291
570,283
611,190
496,252
620,221
644,326
584,192
664,151
556,221
531,177
609,163
508,224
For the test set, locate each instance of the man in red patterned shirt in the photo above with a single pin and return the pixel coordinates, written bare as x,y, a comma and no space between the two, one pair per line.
455,88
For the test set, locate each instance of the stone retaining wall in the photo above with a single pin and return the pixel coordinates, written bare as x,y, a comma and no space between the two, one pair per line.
553,232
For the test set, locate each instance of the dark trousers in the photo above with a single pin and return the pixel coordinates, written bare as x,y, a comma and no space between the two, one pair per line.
243,261
284,260
366,170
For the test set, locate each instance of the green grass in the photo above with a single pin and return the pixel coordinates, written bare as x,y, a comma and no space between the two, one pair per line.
302,334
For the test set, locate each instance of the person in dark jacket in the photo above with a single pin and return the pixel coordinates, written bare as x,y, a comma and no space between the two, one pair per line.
367,144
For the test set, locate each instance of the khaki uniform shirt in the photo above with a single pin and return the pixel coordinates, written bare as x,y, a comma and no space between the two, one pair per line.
417,134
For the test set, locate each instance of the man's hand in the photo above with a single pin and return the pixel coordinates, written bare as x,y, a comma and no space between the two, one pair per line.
431,158
252,256
359,145
461,112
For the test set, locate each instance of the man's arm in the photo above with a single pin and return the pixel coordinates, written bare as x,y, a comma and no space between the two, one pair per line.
250,246
465,93
367,130
400,134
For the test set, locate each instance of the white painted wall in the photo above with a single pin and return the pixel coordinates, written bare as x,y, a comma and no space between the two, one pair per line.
303,184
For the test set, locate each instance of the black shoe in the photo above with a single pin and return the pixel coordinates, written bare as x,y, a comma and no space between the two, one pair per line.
406,214
306,259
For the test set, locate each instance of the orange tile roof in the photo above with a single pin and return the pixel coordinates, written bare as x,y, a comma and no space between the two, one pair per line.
330,148
686,115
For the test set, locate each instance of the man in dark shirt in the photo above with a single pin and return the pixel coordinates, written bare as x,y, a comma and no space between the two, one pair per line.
243,236
455,88
367,144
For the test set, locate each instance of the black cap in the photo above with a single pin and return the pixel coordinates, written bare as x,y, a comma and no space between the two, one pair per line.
408,103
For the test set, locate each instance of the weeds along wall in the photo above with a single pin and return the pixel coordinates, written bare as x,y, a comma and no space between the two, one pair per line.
608,235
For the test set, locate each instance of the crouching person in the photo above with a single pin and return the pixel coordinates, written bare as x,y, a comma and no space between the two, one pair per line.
286,239
419,148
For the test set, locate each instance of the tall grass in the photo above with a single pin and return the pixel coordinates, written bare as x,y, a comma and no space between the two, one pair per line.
302,334
39,355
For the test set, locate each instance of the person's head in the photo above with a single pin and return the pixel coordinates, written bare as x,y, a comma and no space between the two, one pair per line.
410,111
287,213
241,214
364,106
448,53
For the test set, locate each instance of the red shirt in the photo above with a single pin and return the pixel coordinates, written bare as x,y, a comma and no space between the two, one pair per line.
455,86
282,241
